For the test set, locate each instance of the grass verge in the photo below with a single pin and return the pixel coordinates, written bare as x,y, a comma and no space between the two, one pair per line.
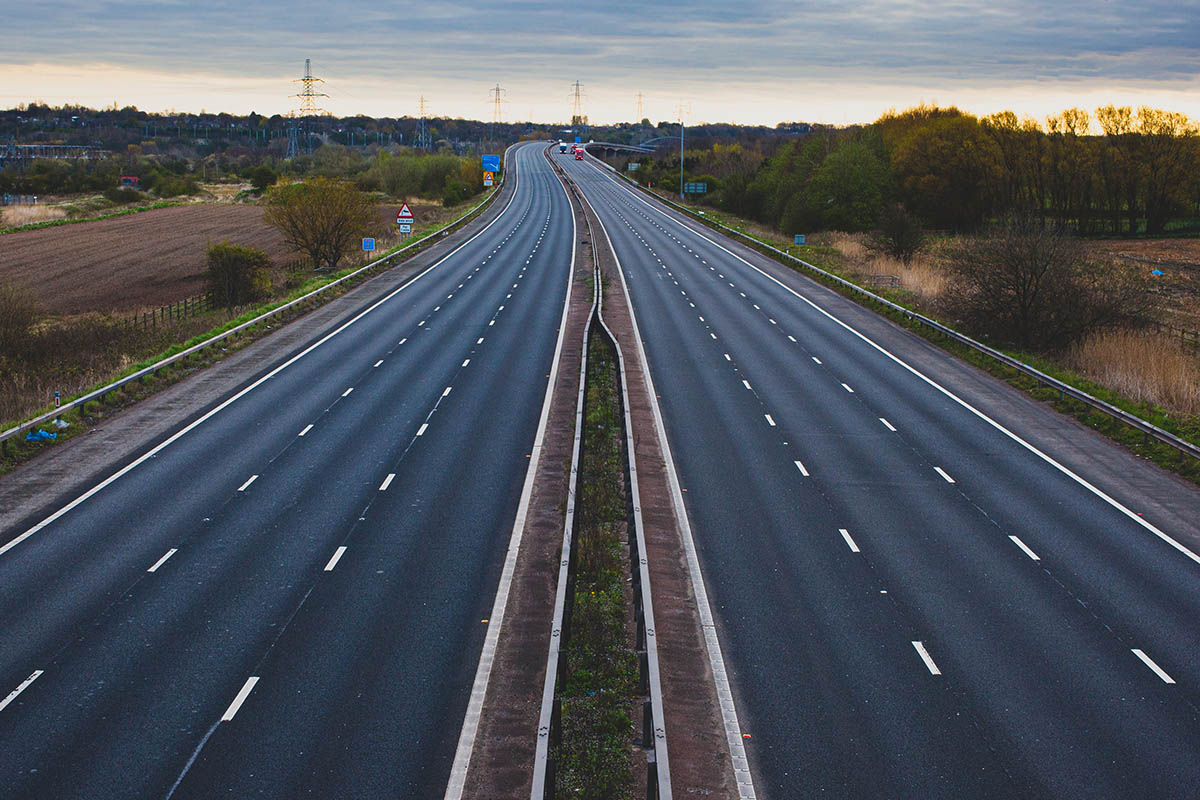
598,691
54,223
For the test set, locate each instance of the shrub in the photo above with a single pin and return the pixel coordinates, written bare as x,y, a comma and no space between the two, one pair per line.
899,235
123,195
237,275
261,177
1030,284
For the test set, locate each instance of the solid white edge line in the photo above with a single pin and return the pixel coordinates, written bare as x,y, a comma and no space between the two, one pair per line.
944,474
850,542
1149,662
800,467
387,481
1113,502
233,399
247,687
924,654
733,729
466,739
1025,548
336,557
37,673
163,560
249,481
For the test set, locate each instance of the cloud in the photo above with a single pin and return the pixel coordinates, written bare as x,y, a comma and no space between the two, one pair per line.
702,47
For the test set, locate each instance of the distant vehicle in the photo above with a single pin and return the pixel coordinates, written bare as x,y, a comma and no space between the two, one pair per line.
579,155
562,148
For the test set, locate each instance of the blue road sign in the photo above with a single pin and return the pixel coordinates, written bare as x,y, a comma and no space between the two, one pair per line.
491,163
578,139
799,238
368,244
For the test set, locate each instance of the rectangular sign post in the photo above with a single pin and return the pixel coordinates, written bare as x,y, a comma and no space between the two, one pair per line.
578,139
490,163
489,178
368,244
799,238
695,188
632,165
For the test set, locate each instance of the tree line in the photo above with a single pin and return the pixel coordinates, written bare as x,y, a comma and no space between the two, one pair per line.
1118,171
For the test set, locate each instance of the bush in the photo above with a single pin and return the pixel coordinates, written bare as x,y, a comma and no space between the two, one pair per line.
899,235
18,312
1031,285
237,275
261,177
123,195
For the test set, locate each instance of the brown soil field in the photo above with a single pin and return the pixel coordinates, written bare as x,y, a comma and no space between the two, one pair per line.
1178,288
145,260
130,263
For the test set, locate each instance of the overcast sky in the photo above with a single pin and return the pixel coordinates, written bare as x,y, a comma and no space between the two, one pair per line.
749,61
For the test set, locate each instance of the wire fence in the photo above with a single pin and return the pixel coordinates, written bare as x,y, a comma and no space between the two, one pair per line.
1188,339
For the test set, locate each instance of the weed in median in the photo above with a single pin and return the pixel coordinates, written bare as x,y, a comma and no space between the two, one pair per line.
599,689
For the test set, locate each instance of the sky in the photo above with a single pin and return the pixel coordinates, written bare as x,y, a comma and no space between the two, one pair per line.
744,61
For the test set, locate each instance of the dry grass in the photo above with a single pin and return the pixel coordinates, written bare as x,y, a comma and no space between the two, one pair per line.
1144,367
924,276
18,215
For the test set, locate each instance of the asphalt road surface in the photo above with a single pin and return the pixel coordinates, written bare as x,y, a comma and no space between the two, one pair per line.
911,602
289,598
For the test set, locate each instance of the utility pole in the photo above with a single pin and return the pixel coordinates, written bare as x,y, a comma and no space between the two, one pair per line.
682,198
422,131
641,111
495,95
308,107
577,119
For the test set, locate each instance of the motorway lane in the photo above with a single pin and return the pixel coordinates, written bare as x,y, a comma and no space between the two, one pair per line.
438,387
838,499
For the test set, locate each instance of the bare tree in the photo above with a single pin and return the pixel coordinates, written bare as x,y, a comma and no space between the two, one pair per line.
321,218
1032,285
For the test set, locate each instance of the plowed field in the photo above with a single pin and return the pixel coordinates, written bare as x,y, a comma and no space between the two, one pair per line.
130,263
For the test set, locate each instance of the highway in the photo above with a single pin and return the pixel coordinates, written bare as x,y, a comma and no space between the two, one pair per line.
912,601
289,598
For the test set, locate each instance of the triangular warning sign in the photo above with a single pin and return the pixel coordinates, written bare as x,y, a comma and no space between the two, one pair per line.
404,211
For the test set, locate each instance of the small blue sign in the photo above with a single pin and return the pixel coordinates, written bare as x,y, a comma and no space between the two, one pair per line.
368,244
799,238
491,163
578,139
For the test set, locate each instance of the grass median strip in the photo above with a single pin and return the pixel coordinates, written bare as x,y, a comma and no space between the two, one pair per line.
599,691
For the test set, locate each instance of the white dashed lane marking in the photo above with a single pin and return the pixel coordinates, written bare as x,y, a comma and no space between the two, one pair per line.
163,560
249,481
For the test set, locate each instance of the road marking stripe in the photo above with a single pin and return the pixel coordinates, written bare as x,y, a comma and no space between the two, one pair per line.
337,555
1149,662
448,388
942,472
247,687
347,392
800,467
747,384
933,668
727,358
770,421
479,340
847,388
887,424
249,481
163,560
377,363
419,324
1025,548
713,335
421,430
307,428
387,481
402,341
37,673
466,361
814,358
846,535
773,322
